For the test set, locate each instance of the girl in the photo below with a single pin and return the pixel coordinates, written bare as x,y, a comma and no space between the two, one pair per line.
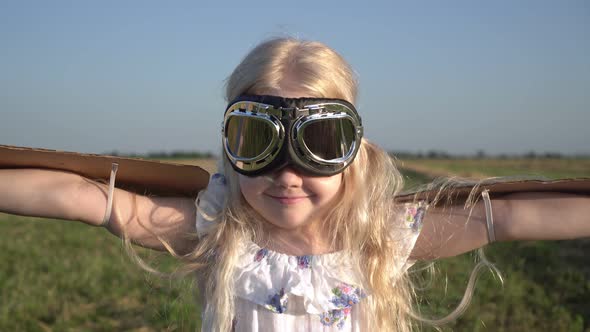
300,230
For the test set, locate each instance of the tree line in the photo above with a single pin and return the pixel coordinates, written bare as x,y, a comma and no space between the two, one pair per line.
481,154
176,154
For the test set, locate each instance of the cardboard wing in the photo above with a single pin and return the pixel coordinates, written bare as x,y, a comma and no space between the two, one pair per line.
170,179
459,192
134,174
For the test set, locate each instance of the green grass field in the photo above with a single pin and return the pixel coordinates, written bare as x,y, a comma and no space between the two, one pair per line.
65,276
550,168
547,284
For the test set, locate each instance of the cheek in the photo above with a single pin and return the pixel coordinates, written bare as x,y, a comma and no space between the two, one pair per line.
328,188
245,186
250,188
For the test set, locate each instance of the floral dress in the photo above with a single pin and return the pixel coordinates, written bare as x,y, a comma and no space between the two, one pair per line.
280,292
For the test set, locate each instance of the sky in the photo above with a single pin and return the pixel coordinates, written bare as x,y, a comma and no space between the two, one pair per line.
142,76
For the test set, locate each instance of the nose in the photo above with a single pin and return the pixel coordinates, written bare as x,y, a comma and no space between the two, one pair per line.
287,177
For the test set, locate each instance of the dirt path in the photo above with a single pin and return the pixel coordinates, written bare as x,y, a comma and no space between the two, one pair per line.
416,166
423,169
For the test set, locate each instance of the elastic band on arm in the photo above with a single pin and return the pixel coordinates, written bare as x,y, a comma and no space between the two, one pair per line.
489,217
107,215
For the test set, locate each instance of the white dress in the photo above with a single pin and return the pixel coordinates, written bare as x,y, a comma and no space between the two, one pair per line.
280,292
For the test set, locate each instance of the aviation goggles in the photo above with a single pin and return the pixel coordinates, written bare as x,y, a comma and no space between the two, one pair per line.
317,136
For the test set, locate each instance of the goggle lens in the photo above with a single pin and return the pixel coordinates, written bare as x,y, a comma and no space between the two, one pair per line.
248,137
329,139
318,136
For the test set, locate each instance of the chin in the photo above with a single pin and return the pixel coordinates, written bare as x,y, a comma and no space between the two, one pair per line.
284,222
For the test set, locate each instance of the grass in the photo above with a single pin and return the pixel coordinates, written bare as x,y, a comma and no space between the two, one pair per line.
64,276
546,288
547,283
552,168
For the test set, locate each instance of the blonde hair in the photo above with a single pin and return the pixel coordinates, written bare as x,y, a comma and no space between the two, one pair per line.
316,68
360,222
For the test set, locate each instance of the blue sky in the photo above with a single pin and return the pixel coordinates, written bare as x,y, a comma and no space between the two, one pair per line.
139,76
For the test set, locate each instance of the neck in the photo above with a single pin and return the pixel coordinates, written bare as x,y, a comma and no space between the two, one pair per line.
304,240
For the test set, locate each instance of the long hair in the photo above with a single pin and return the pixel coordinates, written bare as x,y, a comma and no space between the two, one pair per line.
360,221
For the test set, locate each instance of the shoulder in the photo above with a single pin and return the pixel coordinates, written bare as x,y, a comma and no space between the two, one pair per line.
210,203
410,215
406,228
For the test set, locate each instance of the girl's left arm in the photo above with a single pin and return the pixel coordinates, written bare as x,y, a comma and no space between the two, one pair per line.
451,230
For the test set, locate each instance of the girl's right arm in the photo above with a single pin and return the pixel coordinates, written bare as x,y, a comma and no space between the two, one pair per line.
63,195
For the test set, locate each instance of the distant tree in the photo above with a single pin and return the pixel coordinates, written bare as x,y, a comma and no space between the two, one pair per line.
553,155
530,155
480,154
436,154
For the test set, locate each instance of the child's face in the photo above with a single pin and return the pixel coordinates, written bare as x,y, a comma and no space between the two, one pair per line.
288,199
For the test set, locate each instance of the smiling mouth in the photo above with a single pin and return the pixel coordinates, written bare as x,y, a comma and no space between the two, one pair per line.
288,200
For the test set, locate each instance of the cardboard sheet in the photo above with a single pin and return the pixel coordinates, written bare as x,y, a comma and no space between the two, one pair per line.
498,187
170,179
138,175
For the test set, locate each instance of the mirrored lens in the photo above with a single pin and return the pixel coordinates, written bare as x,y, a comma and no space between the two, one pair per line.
329,138
247,137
